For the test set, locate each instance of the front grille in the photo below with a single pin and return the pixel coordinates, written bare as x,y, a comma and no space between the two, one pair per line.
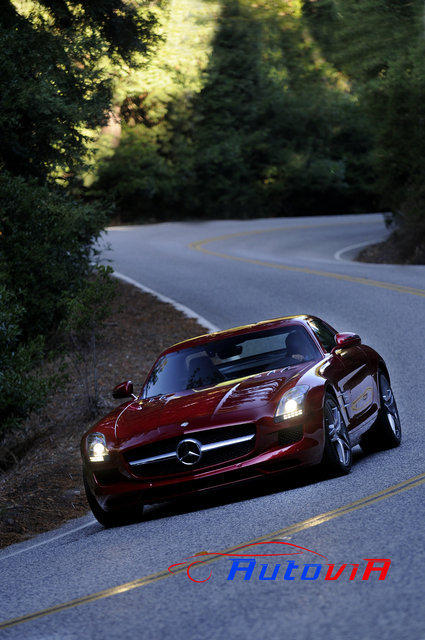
220,438
290,435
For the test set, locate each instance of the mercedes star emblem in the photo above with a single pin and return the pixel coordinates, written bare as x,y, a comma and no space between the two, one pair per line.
189,452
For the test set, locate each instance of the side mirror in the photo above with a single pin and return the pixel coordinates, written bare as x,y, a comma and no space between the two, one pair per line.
123,390
347,339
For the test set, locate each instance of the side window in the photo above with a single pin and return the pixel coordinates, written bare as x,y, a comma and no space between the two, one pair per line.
324,334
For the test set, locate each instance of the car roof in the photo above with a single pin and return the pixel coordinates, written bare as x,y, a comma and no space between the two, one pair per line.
274,323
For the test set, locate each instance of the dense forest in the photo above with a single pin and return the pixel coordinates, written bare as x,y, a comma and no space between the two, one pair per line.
262,126
141,111
276,108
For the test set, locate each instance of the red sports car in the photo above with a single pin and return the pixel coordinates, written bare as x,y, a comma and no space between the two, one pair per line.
238,404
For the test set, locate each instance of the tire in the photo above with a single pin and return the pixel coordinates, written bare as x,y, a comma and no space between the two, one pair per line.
337,454
118,517
385,433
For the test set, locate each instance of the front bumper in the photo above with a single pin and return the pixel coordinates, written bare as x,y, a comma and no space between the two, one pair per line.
115,483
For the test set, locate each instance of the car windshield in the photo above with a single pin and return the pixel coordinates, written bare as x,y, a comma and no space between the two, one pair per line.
219,361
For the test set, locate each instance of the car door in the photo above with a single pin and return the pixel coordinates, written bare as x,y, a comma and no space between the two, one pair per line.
351,374
356,384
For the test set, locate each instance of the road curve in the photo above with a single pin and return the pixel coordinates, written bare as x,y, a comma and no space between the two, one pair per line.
83,581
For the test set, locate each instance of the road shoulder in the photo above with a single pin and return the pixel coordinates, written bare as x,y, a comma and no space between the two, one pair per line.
42,488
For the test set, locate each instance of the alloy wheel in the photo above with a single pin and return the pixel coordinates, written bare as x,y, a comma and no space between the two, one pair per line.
389,406
338,435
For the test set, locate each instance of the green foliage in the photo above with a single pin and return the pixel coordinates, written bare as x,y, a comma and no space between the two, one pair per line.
395,102
45,249
40,130
282,108
21,389
86,310
153,162
263,127
380,45
275,135
138,174
58,65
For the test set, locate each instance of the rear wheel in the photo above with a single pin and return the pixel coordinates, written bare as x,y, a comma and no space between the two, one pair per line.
386,431
119,516
337,456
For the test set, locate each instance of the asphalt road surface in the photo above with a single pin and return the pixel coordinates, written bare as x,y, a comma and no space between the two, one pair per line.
82,581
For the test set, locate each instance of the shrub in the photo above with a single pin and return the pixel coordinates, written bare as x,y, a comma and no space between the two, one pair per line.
45,249
86,311
21,389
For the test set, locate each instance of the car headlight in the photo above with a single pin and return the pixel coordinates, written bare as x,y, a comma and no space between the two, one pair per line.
96,447
291,403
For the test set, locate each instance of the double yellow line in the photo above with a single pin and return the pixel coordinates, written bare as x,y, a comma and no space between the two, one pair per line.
394,490
200,245
292,529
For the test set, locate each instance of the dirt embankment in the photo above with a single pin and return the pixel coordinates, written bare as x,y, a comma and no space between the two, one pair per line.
43,488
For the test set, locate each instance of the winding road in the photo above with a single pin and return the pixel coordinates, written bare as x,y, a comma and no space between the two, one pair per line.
82,581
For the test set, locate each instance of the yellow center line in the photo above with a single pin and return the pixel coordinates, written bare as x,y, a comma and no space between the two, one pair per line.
315,521
199,245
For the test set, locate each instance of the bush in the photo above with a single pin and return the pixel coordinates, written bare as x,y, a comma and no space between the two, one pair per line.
45,249
45,261
86,312
21,389
138,179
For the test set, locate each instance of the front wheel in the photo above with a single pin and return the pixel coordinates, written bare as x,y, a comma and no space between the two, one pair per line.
385,433
119,516
337,455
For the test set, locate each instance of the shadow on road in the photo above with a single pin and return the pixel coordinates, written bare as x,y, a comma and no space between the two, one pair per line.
246,490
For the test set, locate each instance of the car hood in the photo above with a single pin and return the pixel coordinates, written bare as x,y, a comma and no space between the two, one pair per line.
243,400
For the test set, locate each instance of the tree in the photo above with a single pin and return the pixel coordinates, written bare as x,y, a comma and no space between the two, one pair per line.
265,127
57,63
380,45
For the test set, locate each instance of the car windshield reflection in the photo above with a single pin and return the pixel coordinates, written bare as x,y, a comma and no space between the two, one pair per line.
219,361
